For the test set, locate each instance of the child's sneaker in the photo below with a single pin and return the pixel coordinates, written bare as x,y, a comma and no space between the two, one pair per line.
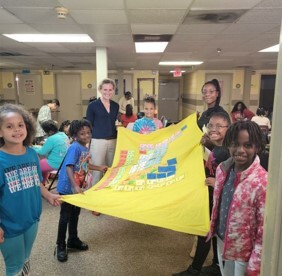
62,254
77,244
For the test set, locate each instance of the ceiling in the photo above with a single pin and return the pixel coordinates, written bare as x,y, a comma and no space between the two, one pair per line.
240,28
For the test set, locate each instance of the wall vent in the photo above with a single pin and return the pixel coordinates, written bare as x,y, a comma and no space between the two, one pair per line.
215,17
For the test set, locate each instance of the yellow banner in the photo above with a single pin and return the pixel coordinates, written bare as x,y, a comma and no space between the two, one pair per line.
156,179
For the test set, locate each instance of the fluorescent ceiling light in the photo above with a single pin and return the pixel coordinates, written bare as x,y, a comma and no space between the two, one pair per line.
271,49
182,71
150,47
180,63
82,38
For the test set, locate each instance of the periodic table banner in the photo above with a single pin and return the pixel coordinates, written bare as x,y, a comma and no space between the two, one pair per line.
156,179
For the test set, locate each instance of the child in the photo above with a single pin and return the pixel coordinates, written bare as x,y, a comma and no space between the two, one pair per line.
53,150
81,131
148,123
20,189
217,127
239,200
128,117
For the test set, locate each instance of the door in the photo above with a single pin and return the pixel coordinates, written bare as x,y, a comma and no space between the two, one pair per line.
29,90
68,91
267,89
169,100
225,82
145,87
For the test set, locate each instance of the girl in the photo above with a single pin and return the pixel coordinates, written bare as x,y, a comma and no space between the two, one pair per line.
148,123
65,126
241,112
54,149
128,117
20,189
239,200
81,131
211,94
217,127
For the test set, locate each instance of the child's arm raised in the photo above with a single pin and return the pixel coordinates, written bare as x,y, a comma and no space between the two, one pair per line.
53,199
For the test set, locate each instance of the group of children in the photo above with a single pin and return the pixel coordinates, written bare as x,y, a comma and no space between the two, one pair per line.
238,199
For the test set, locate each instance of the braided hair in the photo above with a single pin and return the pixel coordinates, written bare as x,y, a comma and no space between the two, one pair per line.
253,129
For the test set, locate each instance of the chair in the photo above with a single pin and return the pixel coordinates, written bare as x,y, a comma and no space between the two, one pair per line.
53,175
265,132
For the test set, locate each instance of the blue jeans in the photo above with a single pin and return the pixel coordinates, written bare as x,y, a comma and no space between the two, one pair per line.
16,251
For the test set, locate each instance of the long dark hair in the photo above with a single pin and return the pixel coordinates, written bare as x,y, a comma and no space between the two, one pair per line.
235,107
215,83
128,110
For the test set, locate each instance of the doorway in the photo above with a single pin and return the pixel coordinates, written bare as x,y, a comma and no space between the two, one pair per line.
68,92
168,106
145,86
225,82
267,89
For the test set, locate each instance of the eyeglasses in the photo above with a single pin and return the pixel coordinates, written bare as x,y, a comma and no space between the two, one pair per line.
216,127
205,92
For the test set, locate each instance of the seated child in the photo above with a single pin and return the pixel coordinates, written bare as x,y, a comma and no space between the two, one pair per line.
53,150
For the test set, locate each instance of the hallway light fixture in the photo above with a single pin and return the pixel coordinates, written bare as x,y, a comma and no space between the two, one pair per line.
180,63
272,49
150,47
73,38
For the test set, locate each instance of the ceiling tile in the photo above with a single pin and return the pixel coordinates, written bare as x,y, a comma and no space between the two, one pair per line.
99,17
156,16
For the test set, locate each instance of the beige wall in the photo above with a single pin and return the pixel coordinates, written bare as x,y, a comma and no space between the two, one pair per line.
192,84
190,92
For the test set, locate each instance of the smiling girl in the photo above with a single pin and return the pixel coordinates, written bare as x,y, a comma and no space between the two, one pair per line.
239,200
20,189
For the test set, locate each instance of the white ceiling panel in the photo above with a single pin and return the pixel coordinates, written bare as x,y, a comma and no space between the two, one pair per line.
153,29
29,3
158,4
99,17
262,17
113,23
17,29
8,18
202,28
156,16
92,4
58,28
102,29
223,4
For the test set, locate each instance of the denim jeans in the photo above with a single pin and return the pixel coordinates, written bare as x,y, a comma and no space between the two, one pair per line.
229,268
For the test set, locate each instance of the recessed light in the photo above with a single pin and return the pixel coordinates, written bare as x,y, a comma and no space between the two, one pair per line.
272,49
180,63
150,47
73,38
